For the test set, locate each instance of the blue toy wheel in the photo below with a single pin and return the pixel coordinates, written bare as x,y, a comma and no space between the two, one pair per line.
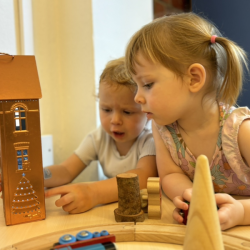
104,233
96,234
84,235
67,238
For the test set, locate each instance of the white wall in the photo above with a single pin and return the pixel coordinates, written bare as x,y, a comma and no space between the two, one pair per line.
114,22
7,28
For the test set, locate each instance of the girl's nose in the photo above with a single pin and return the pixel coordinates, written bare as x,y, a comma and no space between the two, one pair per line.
139,98
116,119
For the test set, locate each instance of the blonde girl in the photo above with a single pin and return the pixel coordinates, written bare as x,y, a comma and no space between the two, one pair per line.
189,77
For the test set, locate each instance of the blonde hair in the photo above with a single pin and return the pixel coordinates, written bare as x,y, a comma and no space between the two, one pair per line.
115,72
177,41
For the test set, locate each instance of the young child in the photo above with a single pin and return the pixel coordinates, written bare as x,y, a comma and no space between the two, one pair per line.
188,78
121,144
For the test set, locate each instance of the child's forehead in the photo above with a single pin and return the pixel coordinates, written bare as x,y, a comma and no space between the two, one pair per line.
119,95
142,62
139,59
115,87
119,103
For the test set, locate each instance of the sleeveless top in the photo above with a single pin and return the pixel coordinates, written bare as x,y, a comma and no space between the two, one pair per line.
230,173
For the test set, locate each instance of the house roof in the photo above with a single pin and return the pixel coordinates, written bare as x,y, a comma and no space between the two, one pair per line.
19,78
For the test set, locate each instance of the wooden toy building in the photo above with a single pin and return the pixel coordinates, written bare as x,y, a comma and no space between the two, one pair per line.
20,140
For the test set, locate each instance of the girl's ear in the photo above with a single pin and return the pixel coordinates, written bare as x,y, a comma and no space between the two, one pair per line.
197,77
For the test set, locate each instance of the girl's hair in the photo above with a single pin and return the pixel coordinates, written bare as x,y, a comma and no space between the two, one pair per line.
115,72
177,41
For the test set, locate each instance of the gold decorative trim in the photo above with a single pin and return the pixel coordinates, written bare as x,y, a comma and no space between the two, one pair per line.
19,104
21,144
35,110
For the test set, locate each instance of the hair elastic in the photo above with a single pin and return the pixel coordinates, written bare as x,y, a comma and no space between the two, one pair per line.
213,37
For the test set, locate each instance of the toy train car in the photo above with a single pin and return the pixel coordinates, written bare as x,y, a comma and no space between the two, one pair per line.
85,240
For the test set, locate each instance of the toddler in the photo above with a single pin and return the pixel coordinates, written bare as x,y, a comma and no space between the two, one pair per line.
122,143
189,77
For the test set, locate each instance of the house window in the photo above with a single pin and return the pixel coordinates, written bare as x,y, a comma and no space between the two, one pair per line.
22,159
20,118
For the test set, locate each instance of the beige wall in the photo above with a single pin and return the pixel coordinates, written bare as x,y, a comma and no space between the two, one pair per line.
63,48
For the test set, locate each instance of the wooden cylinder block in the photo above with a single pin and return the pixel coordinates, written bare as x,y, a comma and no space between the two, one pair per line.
129,201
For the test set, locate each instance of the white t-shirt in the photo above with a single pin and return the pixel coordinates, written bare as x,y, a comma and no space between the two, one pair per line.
98,145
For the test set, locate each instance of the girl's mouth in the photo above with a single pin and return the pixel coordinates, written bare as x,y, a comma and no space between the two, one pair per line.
149,115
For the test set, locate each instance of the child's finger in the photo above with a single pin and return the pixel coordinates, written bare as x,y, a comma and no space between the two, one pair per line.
179,203
187,194
177,216
65,200
224,226
73,209
223,199
222,213
56,191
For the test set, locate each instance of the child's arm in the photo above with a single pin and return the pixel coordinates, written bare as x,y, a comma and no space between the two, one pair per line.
80,197
175,184
64,173
173,179
234,212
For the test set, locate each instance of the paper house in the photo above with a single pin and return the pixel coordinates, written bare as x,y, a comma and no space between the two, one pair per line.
20,140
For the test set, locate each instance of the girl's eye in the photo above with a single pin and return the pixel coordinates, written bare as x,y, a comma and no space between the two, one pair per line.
148,85
127,112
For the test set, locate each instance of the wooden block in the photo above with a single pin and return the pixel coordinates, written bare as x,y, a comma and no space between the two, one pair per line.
154,198
129,200
144,200
154,212
203,227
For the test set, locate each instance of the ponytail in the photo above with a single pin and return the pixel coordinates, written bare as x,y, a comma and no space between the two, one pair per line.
233,78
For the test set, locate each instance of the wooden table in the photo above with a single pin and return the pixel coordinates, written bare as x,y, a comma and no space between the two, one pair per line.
129,236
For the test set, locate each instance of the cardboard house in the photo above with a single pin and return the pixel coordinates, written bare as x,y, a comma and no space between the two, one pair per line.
20,140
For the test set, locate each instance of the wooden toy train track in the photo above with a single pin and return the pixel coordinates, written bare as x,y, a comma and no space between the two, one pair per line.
129,232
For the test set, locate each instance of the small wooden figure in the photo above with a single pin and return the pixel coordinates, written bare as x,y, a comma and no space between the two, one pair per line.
20,140
154,198
203,227
129,202
144,200
151,198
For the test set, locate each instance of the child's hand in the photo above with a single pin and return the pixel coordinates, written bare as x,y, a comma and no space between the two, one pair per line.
179,202
75,198
231,211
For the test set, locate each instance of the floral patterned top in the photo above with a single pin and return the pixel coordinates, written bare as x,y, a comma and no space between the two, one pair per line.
230,173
